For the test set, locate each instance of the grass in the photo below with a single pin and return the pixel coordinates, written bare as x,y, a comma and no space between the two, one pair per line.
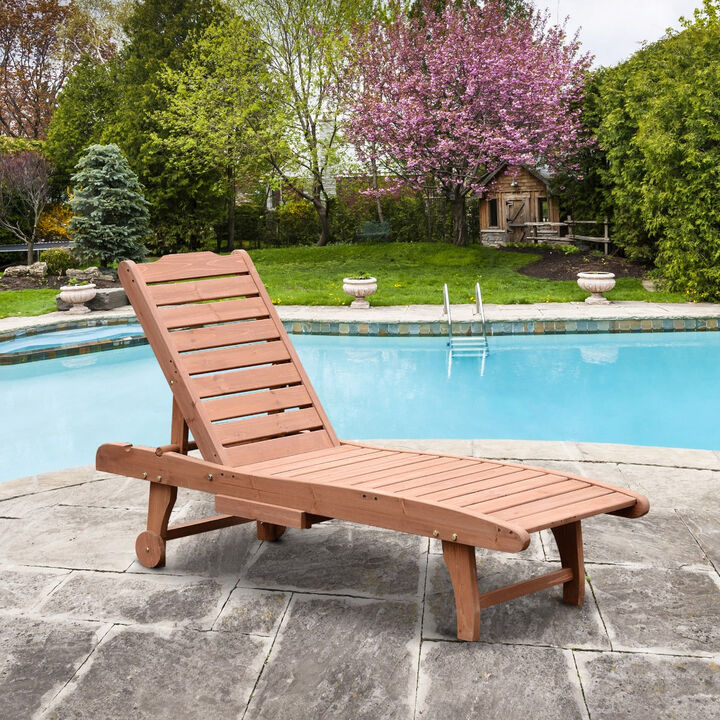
407,273
413,274
27,302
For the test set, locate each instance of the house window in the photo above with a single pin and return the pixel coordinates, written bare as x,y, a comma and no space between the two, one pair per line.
542,209
492,213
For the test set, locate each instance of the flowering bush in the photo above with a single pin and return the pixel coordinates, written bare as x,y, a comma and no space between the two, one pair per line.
446,94
53,223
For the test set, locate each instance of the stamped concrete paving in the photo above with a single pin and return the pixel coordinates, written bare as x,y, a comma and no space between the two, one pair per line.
346,621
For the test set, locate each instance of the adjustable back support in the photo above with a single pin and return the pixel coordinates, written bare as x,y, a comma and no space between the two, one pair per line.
233,371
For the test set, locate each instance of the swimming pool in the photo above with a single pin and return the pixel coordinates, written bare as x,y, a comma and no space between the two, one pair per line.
43,345
640,389
75,336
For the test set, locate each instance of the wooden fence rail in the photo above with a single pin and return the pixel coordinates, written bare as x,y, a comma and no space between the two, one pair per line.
547,230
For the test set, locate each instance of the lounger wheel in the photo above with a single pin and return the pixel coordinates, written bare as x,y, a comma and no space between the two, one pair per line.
150,549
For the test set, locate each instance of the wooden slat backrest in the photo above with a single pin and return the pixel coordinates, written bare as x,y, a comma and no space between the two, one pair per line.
230,364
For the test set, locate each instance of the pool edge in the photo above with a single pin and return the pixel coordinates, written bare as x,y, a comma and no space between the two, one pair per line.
410,321
536,451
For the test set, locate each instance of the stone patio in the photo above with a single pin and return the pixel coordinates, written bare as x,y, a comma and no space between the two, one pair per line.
347,621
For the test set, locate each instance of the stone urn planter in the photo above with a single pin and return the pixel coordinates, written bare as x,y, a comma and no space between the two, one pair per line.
596,283
77,296
359,288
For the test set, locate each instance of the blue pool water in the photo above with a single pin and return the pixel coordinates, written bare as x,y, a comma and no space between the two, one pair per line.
63,338
640,389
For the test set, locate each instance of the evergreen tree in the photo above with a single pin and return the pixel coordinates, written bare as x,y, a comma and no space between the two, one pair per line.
85,107
110,213
161,37
120,101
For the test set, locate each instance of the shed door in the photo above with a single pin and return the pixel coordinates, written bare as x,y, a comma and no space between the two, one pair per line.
517,214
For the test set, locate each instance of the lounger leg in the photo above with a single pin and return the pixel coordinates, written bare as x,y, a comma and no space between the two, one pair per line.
460,561
269,532
150,545
569,541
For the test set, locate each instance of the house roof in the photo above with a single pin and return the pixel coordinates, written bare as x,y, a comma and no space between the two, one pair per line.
541,173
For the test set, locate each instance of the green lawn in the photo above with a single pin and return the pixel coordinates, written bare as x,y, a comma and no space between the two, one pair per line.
407,273
413,273
27,302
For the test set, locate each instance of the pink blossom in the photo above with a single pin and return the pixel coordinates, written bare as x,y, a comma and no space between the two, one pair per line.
444,98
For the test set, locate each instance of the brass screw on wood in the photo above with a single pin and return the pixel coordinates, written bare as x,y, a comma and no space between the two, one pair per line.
171,382
147,549
436,533
144,476
453,537
159,478
210,477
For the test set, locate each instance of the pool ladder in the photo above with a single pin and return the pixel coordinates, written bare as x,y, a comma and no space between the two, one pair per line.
473,345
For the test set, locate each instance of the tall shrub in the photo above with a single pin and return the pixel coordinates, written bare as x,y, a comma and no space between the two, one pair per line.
661,132
110,213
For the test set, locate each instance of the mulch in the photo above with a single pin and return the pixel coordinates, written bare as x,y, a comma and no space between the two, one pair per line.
47,283
556,265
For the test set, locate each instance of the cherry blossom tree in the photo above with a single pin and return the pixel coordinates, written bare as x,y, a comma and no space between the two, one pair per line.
442,97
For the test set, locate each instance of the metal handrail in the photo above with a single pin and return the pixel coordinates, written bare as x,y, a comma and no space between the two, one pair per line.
480,308
464,346
446,302
467,342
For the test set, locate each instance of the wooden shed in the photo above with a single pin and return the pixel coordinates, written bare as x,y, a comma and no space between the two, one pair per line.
516,196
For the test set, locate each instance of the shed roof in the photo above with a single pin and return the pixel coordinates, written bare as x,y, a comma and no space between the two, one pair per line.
541,173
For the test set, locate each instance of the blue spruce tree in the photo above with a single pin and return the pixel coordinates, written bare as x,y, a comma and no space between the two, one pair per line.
110,214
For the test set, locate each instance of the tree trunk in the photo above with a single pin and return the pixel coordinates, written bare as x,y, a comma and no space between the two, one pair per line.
322,212
373,165
231,208
427,206
459,221
30,252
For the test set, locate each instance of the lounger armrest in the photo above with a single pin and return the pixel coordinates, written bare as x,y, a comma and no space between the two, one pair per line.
376,508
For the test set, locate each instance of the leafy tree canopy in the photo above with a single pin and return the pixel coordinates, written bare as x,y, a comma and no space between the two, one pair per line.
85,108
216,105
443,97
660,129
305,44
41,41
161,35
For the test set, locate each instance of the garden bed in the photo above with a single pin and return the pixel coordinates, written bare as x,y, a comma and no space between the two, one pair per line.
557,265
47,283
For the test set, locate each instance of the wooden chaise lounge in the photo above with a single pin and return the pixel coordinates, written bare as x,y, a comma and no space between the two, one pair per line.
269,453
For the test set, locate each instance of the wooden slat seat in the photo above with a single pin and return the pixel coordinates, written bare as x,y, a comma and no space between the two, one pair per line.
270,455
519,496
